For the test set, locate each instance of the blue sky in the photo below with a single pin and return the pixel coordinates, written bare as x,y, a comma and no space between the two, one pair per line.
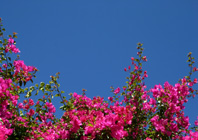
91,42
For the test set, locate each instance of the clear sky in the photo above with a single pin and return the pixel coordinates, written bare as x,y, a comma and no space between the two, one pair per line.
90,42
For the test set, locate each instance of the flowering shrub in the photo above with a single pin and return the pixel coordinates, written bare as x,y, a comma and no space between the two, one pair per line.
142,114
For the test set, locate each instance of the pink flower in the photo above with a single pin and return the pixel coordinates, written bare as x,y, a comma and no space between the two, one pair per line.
14,102
132,58
110,99
28,79
116,91
11,41
195,69
154,119
51,107
144,58
75,95
2,135
20,105
195,81
76,123
88,130
31,102
5,65
26,107
148,138
31,112
118,132
191,84
129,67
196,122
152,101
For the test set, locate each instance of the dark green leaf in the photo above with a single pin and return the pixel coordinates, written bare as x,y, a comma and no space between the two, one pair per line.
57,95
20,83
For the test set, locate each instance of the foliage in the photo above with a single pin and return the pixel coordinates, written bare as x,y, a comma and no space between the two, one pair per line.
142,114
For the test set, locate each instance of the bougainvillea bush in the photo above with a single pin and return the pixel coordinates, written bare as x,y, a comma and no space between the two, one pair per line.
131,113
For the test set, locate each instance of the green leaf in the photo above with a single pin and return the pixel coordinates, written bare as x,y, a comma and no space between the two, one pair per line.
28,94
9,58
20,83
24,83
26,89
21,113
32,88
41,100
37,92
50,100
61,107
42,84
57,95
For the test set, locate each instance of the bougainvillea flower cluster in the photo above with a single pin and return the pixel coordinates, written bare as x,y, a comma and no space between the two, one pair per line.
132,112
